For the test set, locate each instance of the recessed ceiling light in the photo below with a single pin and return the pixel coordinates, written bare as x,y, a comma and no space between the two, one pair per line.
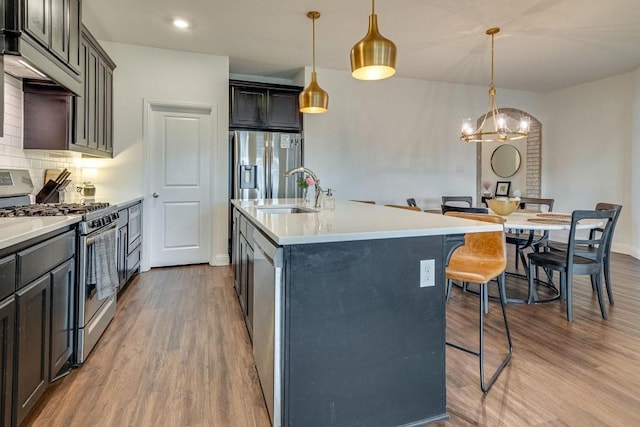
181,23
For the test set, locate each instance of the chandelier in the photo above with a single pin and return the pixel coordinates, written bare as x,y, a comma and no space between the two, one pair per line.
500,132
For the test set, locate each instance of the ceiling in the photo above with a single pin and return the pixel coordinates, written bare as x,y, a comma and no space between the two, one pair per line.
544,45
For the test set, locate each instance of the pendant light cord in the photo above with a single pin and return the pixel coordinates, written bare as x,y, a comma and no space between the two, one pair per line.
313,44
373,7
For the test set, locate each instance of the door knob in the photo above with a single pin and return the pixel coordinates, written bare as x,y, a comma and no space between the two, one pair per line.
156,194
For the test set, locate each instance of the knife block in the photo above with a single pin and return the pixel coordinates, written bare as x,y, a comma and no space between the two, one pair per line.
49,193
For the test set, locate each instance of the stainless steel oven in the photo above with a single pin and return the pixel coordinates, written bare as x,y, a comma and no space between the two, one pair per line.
93,314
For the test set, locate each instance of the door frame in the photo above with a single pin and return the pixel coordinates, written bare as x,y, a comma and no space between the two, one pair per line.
150,106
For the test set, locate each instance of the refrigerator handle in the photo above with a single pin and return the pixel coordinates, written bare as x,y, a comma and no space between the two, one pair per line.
267,168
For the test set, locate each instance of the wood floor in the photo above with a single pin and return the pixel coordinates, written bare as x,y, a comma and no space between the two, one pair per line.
178,354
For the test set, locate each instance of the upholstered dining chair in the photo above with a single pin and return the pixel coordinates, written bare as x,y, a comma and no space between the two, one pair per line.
520,240
457,200
591,252
482,258
570,262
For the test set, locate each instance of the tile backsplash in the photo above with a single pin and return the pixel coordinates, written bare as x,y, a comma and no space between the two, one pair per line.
13,156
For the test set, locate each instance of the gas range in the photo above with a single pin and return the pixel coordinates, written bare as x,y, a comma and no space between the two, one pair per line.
51,209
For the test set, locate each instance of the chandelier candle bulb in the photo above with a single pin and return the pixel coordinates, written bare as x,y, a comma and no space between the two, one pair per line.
525,123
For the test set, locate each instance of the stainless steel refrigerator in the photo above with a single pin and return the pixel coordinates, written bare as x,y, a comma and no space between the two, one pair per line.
259,161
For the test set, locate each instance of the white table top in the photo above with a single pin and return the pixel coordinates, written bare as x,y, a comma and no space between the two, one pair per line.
520,221
352,221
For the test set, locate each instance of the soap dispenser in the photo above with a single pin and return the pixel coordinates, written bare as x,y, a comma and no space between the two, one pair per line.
329,200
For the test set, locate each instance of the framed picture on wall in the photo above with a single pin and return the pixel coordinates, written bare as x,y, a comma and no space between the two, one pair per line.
502,188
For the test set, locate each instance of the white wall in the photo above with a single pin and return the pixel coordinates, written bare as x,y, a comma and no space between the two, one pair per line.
635,167
587,147
398,138
174,76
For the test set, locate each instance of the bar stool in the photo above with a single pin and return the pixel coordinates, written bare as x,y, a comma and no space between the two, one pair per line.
482,258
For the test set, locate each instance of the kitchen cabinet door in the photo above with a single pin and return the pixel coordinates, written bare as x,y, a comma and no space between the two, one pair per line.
284,110
60,29
37,20
122,255
62,319
101,101
7,324
81,104
33,304
91,80
248,107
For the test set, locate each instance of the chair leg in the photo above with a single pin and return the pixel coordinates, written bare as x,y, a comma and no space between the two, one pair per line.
485,387
532,288
607,278
569,290
449,284
598,281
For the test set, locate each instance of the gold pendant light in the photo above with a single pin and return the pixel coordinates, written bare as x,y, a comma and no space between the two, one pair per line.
373,57
500,131
313,99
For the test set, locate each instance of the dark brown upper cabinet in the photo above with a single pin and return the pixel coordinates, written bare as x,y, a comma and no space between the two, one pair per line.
55,119
46,34
264,107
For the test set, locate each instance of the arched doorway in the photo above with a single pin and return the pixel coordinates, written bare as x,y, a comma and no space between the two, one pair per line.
531,153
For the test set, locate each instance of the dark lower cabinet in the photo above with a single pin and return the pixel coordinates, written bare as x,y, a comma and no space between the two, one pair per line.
62,319
33,304
129,251
243,261
7,325
122,255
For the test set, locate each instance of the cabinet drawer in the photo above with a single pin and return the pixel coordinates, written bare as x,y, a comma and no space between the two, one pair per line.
7,276
133,261
43,257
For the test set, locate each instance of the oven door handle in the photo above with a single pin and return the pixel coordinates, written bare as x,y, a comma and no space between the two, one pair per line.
91,238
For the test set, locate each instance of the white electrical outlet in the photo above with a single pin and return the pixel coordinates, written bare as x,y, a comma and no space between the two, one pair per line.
427,272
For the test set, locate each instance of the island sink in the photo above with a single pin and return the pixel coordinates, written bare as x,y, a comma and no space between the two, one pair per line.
275,209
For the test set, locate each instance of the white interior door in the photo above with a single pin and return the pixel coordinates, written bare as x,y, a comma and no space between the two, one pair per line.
180,138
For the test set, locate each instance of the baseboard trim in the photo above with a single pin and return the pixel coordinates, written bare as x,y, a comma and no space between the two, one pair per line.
220,260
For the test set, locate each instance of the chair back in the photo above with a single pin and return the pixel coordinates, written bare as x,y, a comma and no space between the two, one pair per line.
457,200
447,208
544,205
596,240
411,208
485,246
602,206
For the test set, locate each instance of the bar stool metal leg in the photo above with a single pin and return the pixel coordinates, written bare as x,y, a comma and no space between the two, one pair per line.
486,386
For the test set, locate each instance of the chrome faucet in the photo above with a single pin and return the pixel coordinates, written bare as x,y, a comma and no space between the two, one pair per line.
312,174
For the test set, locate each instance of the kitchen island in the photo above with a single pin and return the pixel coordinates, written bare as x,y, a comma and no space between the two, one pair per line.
346,309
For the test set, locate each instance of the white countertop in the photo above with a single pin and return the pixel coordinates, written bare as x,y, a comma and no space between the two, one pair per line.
19,229
352,221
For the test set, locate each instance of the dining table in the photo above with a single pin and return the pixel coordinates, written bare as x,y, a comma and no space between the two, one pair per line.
531,225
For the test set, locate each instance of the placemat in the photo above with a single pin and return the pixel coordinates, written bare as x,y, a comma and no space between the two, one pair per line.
555,215
550,221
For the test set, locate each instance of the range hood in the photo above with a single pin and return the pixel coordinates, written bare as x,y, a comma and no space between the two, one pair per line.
40,42
21,68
